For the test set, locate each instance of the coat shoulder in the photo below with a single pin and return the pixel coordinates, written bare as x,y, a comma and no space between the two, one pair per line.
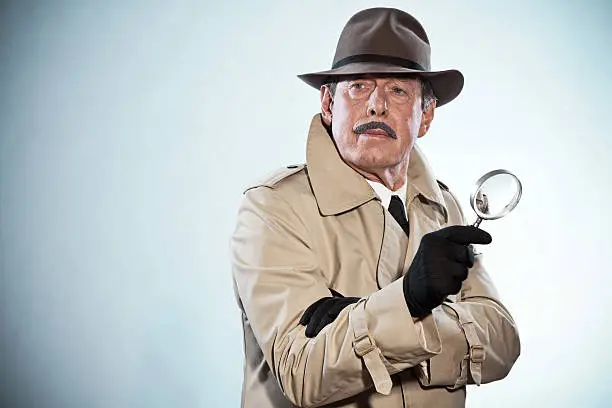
274,178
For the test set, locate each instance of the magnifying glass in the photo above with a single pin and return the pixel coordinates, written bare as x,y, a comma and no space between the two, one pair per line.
495,195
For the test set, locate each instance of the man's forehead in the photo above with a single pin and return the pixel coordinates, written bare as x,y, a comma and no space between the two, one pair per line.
379,77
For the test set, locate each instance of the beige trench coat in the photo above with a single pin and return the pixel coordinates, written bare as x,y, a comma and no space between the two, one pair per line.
308,228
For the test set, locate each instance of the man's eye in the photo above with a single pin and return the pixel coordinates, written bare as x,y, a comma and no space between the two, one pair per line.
358,85
399,91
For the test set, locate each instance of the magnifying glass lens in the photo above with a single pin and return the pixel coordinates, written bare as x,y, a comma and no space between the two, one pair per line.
495,195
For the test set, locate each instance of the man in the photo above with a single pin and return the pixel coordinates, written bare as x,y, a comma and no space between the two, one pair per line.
355,273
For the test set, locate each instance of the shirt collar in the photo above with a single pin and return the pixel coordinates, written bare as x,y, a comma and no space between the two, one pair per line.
385,194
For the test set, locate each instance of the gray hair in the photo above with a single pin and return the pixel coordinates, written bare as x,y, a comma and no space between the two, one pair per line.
428,96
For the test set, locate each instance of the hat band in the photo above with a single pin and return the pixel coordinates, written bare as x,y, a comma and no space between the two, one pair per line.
378,58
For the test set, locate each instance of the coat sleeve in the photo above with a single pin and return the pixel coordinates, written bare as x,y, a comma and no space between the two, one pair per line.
480,341
277,277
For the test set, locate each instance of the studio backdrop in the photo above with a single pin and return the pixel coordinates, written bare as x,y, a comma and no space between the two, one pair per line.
128,131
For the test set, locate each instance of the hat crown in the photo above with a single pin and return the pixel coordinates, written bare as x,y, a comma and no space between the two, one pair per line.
384,32
386,41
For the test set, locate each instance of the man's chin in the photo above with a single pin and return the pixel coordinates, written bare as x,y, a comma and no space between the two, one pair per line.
375,164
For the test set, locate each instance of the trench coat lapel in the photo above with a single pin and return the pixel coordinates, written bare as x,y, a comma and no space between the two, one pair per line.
422,192
336,186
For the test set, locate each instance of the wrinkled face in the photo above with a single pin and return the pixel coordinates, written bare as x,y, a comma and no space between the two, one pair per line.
375,121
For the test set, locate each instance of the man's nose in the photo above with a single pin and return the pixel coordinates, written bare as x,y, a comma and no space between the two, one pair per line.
377,104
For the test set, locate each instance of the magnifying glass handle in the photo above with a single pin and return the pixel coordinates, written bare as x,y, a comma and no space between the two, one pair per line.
477,222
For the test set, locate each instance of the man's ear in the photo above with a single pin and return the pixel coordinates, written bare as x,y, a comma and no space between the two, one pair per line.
427,118
326,105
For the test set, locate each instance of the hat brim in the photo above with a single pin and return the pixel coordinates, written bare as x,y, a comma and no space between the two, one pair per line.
447,85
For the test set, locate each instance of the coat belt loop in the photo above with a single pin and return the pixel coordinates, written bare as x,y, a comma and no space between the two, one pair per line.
476,351
365,348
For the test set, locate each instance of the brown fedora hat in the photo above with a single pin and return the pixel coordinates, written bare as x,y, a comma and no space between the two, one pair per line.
390,42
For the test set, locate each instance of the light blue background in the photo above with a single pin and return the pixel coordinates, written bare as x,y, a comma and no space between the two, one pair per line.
129,130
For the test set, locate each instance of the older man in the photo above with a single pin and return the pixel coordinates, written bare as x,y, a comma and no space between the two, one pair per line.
355,272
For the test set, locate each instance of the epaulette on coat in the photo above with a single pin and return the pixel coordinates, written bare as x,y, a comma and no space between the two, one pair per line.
271,179
443,186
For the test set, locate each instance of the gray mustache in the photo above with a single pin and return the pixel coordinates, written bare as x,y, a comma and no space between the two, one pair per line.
375,125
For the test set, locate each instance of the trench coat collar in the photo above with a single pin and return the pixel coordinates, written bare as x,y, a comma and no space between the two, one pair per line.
339,188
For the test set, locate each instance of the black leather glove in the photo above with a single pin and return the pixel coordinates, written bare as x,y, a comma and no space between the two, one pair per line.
440,266
324,311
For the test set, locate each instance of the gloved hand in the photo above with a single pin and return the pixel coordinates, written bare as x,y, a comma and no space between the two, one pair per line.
440,266
324,311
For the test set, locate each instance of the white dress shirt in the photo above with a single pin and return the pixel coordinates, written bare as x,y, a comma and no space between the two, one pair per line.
385,194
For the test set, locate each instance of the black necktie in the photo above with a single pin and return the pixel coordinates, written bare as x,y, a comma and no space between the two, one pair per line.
396,208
